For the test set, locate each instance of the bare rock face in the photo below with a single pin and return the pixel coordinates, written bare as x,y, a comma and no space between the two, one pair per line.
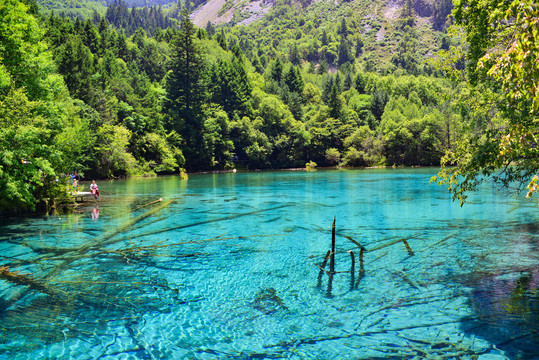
211,12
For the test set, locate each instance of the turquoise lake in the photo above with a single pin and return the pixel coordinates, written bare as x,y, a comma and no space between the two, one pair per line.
227,266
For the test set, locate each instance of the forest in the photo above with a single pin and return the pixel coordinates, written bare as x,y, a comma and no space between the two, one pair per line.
142,91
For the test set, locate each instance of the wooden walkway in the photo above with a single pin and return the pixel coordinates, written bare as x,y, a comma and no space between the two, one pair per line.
81,196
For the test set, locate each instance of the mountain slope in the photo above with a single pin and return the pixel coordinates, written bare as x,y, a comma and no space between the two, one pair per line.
226,11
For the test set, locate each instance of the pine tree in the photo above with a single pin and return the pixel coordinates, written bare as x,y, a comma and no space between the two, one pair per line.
407,10
257,65
379,101
348,82
322,67
360,82
328,87
338,82
186,92
334,102
122,47
103,30
293,55
210,29
76,64
276,71
344,54
221,40
231,87
90,36
324,39
343,29
294,80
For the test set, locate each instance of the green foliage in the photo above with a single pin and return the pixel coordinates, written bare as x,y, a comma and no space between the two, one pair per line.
35,111
294,87
231,88
217,142
27,155
74,9
158,155
333,156
111,152
501,102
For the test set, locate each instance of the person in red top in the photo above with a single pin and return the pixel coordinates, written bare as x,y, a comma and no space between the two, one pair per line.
94,189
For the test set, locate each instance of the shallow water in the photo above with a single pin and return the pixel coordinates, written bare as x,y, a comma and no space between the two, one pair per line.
229,270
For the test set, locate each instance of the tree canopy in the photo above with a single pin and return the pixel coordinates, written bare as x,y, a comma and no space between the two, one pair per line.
501,102
110,97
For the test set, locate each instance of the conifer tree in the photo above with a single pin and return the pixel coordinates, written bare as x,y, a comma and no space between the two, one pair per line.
360,82
379,101
344,54
328,87
221,40
293,80
293,55
91,36
276,71
210,29
324,39
186,91
347,84
334,102
343,29
322,67
76,64
122,47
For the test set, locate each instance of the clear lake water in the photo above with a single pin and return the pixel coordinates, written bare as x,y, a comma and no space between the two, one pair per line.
228,266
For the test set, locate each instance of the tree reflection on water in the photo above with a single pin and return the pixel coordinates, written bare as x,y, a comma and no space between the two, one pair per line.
507,310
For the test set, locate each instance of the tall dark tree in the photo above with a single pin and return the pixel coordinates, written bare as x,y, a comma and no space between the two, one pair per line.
293,80
231,88
379,101
327,88
76,63
343,28
345,54
122,47
348,82
334,102
90,36
324,39
210,29
360,82
186,92
293,55
407,10
441,10
221,40
276,70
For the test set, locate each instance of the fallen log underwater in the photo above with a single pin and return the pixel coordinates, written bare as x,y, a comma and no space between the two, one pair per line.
434,350
40,283
96,248
27,280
